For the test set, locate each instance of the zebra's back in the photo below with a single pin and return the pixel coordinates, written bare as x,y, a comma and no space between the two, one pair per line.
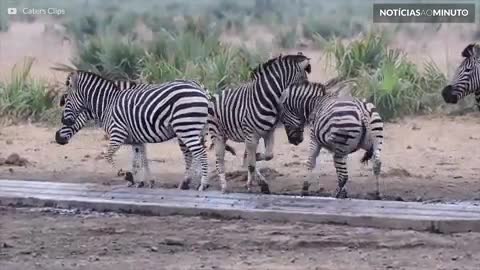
156,112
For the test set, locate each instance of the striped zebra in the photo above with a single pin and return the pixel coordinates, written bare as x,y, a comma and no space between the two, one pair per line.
342,125
249,112
467,77
137,116
64,134
139,157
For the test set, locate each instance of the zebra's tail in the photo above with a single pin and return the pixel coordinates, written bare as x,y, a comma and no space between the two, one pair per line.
228,148
374,131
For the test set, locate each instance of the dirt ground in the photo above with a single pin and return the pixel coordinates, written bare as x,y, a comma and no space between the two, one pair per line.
424,158
52,239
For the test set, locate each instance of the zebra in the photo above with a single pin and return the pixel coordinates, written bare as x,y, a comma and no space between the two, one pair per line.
153,114
467,77
342,125
65,133
249,112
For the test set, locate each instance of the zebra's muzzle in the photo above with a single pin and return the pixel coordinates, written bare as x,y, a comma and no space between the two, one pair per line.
295,137
448,96
59,139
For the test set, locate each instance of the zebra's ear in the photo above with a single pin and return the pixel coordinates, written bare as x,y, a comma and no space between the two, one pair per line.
471,50
72,80
62,100
305,65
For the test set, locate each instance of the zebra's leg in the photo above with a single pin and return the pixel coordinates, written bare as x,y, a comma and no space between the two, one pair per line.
129,176
187,155
312,163
269,141
340,162
251,146
146,176
377,166
199,152
220,162
112,148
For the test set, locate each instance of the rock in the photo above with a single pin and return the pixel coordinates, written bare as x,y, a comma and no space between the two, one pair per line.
416,127
409,147
173,242
6,245
9,142
153,249
12,159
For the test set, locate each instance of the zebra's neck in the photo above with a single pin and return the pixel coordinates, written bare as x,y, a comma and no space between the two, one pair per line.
270,81
100,101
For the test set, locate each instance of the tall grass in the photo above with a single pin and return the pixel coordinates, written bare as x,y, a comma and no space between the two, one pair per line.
387,78
194,56
110,56
23,97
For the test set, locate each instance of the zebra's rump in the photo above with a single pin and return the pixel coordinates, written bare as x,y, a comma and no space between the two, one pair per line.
339,124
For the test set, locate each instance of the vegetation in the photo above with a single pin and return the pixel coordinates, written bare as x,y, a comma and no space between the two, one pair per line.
386,77
181,39
23,97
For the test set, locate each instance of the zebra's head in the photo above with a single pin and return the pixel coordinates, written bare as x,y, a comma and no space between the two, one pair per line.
297,103
82,89
467,76
70,100
286,69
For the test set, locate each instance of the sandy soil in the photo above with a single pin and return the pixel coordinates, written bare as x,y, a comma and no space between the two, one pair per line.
425,158
53,239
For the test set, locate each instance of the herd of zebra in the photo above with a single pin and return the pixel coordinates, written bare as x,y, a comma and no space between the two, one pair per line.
278,92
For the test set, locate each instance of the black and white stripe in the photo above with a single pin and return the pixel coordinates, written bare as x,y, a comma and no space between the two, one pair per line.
139,155
342,125
65,133
154,114
467,77
249,112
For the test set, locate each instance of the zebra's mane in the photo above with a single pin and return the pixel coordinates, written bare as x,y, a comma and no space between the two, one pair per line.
79,71
290,57
471,50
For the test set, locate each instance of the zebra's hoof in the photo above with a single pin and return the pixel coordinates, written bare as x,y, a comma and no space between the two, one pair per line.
129,178
141,184
184,185
305,188
264,188
342,194
202,187
121,173
152,184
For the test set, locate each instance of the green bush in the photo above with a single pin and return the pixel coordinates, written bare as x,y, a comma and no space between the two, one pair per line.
112,56
191,56
367,52
387,78
23,97
287,39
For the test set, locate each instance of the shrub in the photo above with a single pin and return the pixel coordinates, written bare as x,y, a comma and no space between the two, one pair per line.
287,39
23,97
187,56
387,78
111,56
350,59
